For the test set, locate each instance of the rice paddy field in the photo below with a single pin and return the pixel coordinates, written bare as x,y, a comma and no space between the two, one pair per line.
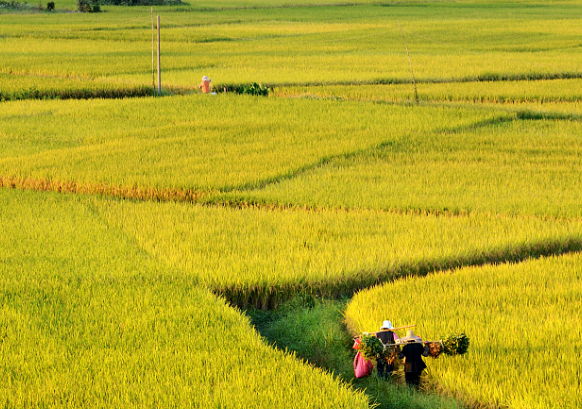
137,230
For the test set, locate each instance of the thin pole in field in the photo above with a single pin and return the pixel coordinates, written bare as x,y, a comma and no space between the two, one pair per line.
159,68
153,46
410,61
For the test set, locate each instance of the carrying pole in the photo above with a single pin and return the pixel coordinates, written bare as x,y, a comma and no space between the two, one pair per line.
386,330
410,61
401,344
394,329
159,68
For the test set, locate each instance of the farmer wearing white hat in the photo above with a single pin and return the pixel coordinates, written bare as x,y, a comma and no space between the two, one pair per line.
205,84
385,364
412,352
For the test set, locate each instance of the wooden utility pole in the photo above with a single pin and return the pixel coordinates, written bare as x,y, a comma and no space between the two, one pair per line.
159,68
153,64
410,61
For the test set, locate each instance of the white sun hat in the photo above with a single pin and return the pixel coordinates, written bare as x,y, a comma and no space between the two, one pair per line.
386,325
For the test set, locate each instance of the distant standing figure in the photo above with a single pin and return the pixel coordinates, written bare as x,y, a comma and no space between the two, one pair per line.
205,84
385,364
413,351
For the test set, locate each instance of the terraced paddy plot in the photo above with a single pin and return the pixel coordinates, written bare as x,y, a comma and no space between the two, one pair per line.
560,90
200,142
300,45
523,322
15,87
516,167
260,257
89,319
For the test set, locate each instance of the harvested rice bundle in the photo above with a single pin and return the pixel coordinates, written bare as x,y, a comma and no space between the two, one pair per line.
435,349
456,344
370,347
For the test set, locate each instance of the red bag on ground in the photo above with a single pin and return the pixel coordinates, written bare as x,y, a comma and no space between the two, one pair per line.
362,367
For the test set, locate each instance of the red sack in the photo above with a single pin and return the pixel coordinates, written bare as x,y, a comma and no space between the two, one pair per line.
362,367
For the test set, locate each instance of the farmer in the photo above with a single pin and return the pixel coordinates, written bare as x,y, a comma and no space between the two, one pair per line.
385,363
413,351
205,84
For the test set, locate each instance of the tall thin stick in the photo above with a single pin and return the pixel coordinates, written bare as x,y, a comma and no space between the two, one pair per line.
153,46
410,61
159,67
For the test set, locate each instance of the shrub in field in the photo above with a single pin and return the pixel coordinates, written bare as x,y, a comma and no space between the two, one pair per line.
50,6
139,2
249,89
84,6
89,6
14,5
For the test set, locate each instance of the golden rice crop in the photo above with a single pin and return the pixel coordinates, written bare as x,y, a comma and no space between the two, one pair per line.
259,257
88,319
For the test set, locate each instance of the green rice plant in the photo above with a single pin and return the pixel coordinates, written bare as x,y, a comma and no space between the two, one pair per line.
89,319
456,344
523,321
261,257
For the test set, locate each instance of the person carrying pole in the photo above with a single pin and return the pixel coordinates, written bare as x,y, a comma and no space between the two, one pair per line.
412,352
385,363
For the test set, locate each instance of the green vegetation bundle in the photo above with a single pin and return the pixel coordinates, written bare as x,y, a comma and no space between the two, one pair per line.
371,347
455,344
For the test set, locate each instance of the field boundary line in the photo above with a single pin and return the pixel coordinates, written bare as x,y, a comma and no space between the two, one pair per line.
207,199
124,192
268,296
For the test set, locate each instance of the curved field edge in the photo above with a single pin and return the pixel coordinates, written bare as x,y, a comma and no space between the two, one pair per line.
523,321
511,167
261,257
88,319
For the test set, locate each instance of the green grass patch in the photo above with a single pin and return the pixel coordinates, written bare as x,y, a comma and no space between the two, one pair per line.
313,328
